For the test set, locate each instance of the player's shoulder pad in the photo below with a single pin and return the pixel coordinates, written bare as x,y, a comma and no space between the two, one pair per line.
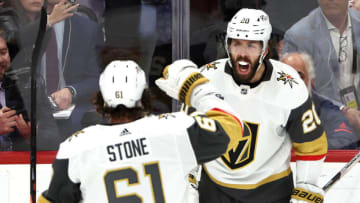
76,142
290,88
176,120
166,116
214,66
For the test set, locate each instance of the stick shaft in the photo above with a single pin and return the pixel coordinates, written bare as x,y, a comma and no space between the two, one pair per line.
35,60
342,172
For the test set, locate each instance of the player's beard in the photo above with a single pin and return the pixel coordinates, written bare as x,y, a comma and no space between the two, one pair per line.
244,78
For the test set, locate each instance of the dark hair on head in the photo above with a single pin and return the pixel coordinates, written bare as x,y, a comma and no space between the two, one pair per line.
7,3
9,27
24,19
122,111
3,34
110,53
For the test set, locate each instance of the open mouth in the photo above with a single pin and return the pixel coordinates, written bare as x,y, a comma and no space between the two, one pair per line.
243,67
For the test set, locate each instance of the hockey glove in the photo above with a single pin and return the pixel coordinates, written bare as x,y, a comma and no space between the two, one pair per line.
307,193
179,80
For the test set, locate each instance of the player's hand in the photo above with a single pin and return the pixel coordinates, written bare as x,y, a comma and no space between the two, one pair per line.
63,98
7,120
307,193
23,127
179,79
61,11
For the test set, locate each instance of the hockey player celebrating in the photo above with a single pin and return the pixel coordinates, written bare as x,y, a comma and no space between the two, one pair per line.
278,115
140,157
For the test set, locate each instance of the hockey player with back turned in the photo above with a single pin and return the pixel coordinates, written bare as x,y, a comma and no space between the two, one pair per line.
278,115
141,157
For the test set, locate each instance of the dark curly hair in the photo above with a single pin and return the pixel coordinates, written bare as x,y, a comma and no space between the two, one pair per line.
122,111
111,53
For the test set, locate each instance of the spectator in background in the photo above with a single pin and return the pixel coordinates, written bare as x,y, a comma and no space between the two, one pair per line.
69,64
96,6
330,34
15,105
9,22
12,126
74,80
339,133
28,10
5,3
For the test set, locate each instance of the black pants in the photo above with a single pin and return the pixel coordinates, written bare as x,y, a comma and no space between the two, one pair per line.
278,192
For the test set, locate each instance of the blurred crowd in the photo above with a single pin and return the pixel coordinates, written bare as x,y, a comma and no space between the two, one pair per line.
69,63
322,36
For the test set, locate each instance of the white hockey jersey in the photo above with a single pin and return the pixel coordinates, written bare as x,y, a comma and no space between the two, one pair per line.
147,160
277,114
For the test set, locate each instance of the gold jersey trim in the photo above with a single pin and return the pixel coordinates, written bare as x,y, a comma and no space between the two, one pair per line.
250,186
313,148
42,199
230,124
189,84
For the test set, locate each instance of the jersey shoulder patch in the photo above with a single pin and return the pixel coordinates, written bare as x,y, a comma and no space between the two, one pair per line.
213,66
286,75
73,144
175,121
166,116
290,88
286,79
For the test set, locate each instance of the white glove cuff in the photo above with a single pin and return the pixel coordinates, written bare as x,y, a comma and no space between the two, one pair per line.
308,171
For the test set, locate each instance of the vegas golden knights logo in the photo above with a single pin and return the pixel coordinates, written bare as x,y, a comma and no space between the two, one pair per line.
286,78
212,65
244,153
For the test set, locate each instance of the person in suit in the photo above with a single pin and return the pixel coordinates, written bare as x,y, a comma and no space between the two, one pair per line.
330,34
339,133
15,125
69,64
78,69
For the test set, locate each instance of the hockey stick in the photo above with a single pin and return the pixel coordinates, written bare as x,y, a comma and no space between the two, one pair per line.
34,64
342,172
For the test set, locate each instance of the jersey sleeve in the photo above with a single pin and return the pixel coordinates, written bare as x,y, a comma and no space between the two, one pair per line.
306,132
62,188
213,134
